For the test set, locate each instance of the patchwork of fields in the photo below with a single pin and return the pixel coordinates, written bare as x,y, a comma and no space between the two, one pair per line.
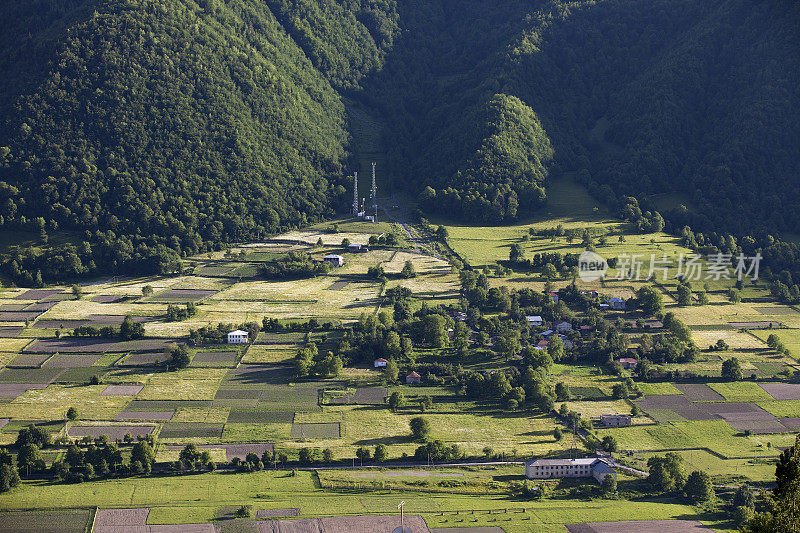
235,400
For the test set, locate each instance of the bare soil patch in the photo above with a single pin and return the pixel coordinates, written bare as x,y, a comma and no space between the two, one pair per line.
162,416
41,307
18,316
699,392
216,357
37,294
362,396
12,390
744,416
121,517
782,391
181,528
13,307
112,432
343,524
95,345
677,403
29,360
791,423
640,526
7,332
756,325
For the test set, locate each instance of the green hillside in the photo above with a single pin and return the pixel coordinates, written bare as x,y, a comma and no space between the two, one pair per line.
142,131
164,128
699,98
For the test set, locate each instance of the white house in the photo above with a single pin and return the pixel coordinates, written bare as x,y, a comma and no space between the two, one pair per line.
238,337
381,362
558,468
333,259
534,320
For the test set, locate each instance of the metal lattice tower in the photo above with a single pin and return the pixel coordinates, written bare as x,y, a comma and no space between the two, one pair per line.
355,193
373,193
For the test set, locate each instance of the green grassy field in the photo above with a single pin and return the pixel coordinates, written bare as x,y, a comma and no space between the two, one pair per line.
742,391
193,499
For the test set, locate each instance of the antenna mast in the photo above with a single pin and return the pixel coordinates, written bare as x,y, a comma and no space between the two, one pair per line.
373,194
355,194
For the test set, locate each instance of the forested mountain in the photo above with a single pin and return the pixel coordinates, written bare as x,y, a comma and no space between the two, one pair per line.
153,129
164,127
694,96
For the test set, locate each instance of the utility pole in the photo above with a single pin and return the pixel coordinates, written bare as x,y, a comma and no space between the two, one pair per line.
355,193
402,524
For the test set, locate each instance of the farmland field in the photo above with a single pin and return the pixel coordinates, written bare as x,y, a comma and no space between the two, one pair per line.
234,400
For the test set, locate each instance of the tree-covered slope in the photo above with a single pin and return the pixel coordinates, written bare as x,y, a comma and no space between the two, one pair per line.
697,97
163,127
152,129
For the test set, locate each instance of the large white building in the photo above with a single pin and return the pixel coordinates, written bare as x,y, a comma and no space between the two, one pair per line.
238,337
558,468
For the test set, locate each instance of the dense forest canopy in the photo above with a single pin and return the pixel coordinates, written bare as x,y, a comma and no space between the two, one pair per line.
640,97
148,130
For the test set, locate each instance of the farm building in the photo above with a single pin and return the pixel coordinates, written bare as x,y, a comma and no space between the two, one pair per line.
542,345
357,249
628,363
413,378
554,297
238,337
617,304
535,320
381,363
558,468
615,421
333,259
562,325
